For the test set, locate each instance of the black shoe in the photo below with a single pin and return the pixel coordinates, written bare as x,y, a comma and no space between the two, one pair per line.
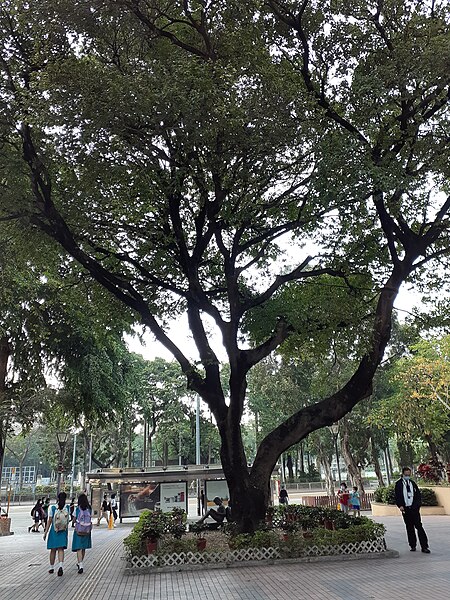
413,549
80,570
426,550
51,570
29,529
60,571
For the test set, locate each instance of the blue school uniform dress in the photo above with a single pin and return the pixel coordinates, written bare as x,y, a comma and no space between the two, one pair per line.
354,501
80,542
57,539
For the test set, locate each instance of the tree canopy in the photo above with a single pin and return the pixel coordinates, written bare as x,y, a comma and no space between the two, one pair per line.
175,150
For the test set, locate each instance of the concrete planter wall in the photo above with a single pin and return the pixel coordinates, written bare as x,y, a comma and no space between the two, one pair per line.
389,510
443,497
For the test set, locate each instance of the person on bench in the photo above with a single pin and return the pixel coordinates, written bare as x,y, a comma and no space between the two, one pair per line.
218,514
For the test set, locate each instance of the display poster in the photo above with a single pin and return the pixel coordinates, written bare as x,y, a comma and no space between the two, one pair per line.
216,487
173,495
136,497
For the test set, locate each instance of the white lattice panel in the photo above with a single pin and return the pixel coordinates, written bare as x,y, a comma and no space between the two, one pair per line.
248,554
253,554
140,562
365,547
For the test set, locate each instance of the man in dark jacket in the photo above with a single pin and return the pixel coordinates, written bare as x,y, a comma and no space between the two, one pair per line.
408,499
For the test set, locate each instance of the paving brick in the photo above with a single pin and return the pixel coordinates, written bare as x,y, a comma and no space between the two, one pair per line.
24,563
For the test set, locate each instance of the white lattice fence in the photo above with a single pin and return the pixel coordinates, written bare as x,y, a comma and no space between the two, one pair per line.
366,547
250,554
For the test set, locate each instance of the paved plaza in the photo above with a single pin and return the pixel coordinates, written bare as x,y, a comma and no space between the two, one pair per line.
24,564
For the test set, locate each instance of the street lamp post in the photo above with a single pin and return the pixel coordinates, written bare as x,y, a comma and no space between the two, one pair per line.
73,463
62,438
335,432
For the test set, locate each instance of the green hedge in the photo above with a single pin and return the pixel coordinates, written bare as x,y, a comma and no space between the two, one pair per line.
386,495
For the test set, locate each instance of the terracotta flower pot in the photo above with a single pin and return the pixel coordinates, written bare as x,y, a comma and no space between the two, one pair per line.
152,545
201,544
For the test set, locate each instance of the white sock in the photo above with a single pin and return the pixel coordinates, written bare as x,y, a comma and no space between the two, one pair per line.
60,565
80,565
51,567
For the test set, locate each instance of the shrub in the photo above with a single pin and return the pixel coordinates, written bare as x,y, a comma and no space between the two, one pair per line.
428,497
151,524
134,544
387,495
170,545
355,533
378,495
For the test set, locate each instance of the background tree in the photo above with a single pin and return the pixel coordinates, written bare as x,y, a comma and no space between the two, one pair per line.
418,408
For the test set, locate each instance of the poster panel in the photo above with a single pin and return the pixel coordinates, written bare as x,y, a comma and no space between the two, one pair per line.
136,497
216,487
173,495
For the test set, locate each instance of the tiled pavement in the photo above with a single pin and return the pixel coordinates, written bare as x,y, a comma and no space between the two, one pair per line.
24,562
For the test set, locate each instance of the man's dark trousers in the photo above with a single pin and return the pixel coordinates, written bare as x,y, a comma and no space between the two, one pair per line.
412,519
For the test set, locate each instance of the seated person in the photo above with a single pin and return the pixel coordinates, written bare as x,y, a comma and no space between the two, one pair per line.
218,514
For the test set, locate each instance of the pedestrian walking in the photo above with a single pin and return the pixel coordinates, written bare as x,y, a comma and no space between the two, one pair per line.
82,536
202,501
57,530
37,514
343,497
409,501
72,511
113,505
45,507
355,503
283,497
103,511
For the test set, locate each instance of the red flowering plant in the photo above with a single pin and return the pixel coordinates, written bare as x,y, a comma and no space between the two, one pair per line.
431,471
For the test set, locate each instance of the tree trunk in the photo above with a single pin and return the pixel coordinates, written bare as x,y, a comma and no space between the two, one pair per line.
302,459
144,450
405,453
130,444
326,465
389,462
376,463
290,467
432,447
352,466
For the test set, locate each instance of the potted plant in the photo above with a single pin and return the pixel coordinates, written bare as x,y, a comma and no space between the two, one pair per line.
198,529
153,526
288,527
329,518
269,514
177,523
307,523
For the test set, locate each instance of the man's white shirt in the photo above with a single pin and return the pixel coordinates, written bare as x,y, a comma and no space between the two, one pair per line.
408,496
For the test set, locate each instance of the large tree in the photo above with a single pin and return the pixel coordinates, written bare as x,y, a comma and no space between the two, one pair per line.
174,150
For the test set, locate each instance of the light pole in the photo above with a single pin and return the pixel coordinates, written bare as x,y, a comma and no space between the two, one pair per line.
73,463
62,437
335,432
